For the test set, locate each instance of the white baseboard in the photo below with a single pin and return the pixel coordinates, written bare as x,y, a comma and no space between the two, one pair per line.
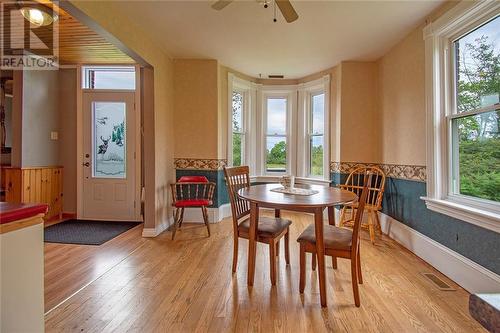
471,276
193,215
153,232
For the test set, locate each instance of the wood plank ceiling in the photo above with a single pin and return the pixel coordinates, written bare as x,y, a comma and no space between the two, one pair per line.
79,44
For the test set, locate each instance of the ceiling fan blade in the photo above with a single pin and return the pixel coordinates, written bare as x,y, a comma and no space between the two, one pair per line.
287,10
221,4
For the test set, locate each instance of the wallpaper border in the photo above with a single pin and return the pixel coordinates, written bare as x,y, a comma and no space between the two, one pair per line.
199,163
400,171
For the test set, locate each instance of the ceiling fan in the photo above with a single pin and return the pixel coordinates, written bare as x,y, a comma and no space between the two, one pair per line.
284,6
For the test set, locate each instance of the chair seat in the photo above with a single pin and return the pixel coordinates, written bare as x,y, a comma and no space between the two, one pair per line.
192,203
268,226
334,237
367,206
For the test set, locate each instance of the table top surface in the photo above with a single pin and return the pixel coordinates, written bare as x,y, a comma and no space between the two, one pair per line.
326,196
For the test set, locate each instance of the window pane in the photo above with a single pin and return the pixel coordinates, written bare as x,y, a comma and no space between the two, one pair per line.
109,148
477,57
237,111
478,148
318,114
316,158
276,116
276,154
98,77
237,149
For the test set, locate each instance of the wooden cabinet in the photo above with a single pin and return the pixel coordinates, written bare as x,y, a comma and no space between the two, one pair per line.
36,185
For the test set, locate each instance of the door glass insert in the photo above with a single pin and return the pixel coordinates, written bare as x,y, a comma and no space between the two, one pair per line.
109,143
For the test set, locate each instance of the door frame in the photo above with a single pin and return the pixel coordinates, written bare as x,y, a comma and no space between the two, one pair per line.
79,141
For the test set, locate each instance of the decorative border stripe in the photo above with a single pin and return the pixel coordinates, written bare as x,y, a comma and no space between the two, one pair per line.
401,171
199,163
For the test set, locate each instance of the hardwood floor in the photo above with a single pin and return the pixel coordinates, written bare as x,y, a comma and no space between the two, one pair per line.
70,267
186,285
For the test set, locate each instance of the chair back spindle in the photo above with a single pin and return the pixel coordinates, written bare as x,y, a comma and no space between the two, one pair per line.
376,187
365,192
236,179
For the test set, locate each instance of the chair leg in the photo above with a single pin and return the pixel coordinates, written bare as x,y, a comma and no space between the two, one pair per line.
277,248
272,262
334,262
205,218
287,246
235,253
302,276
176,217
354,281
379,227
342,214
181,219
358,265
371,228
313,261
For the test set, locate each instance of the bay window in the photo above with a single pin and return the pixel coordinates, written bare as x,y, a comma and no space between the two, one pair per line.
463,107
280,129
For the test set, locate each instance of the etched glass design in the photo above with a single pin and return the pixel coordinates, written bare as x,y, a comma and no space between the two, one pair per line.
109,144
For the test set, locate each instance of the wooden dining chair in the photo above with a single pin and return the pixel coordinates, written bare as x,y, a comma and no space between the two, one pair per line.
269,230
191,192
339,243
354,183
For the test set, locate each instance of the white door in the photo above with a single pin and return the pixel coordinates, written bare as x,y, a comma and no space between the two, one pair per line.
109,164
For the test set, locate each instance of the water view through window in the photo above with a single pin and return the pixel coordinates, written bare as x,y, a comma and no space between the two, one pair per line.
276,135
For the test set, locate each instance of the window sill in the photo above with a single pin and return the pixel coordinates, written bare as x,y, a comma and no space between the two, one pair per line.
476,216
298,180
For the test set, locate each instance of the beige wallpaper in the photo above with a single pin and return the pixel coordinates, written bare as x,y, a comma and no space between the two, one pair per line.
401,99
358,123
401,109
196,105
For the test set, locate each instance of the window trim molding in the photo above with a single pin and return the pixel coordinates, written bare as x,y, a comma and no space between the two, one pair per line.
288,92
305,91
438,88
249,90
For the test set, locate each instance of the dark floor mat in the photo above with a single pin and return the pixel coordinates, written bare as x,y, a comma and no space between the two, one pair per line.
86,232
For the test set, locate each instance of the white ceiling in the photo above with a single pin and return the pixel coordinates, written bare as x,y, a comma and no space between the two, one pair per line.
244,37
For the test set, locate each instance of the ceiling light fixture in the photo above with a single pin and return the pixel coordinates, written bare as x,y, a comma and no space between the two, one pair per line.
39,15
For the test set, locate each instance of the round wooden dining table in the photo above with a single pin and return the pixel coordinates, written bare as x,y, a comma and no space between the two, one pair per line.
327,197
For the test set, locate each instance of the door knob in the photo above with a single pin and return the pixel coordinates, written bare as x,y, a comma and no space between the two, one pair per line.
87,164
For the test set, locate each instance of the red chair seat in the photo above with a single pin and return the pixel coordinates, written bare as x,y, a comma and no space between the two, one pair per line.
193,179
193,203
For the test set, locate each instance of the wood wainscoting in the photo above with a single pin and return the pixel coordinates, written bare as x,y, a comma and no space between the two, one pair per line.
36,185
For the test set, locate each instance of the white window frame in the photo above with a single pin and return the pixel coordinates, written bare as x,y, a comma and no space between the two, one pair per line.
289,93
306,92
248,89
86,69
440,106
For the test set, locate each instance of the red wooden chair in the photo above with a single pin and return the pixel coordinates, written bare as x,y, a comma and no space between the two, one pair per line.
191,192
